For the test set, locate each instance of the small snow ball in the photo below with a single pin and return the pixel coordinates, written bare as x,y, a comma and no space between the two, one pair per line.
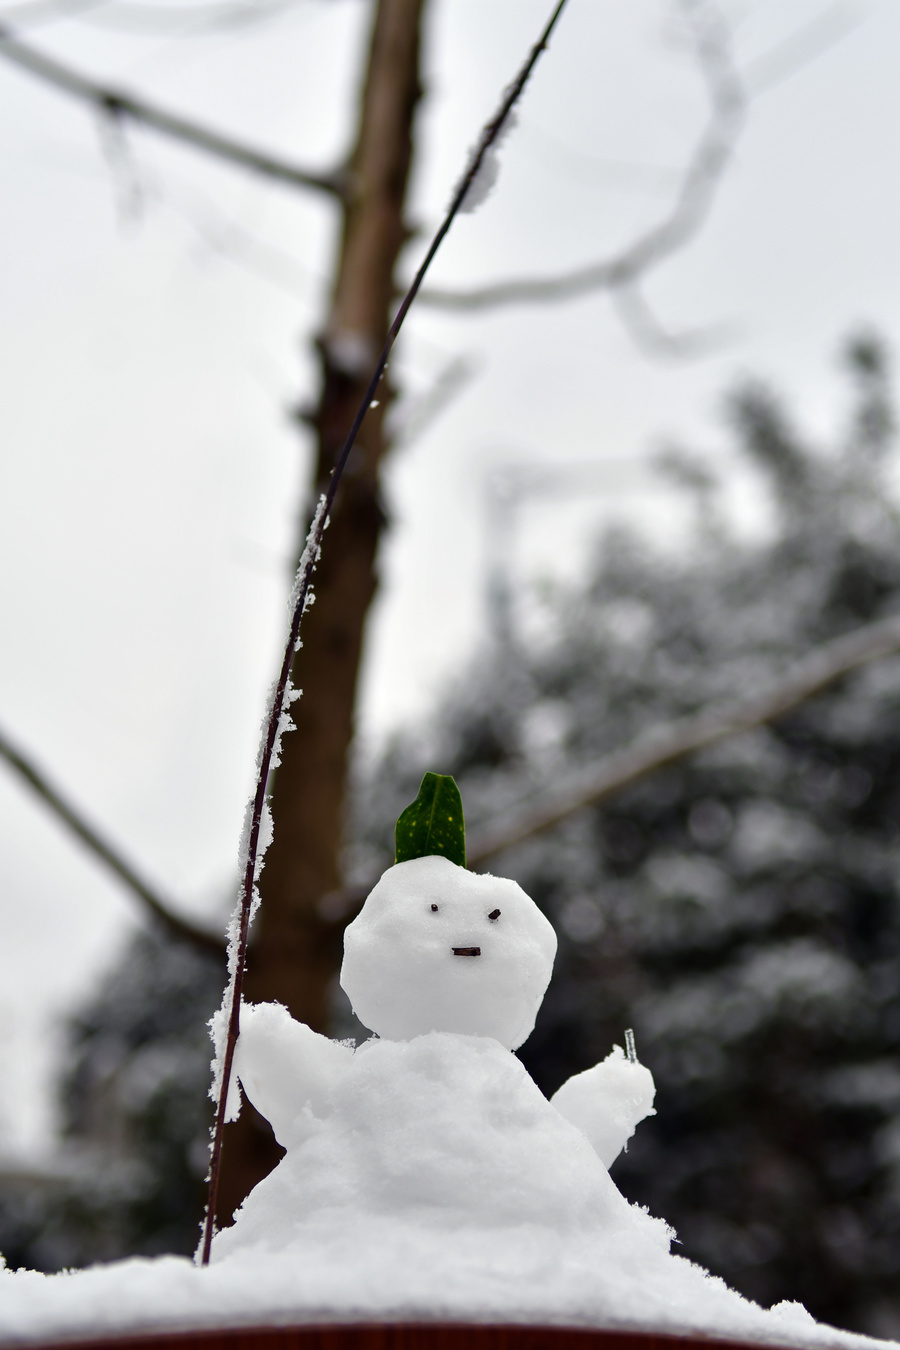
437,948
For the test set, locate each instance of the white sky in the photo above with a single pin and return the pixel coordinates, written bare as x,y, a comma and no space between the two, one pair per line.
150,479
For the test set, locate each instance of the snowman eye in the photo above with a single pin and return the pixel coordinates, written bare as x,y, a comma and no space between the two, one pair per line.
434,909
494,914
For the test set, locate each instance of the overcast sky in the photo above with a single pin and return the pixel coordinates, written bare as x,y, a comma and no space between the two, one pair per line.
155,327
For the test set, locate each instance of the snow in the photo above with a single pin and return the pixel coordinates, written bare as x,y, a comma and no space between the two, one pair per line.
425,1177
312,548
608,1102
218,1023
444,1133
406,969
284,1067
485,179
523,1274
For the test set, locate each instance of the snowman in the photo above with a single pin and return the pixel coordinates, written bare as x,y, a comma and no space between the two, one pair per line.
433,1125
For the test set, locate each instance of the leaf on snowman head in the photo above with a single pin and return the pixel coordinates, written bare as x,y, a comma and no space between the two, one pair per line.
433,823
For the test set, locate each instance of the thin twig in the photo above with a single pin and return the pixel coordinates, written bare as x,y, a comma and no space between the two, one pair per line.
649,335
301,598
412,421
118,103
147,18
667,744
108,854
806,44
701,179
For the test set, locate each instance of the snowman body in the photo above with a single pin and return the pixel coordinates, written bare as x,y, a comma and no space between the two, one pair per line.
433,1124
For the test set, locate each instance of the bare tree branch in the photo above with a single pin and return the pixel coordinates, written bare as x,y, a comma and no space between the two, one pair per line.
652,338
149,18
805,45
700,182
129,191
108,854
119,104
666,745
412,420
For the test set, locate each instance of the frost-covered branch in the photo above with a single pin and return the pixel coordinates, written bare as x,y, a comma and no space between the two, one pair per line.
666,745
118,104
700,182
108,854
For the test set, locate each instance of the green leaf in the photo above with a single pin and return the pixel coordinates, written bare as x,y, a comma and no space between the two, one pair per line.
433,823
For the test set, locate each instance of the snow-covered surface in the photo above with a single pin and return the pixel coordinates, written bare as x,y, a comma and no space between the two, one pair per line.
522,1275
426,1176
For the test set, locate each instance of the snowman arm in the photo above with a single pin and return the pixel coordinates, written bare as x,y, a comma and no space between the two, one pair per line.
607,1102
284,1066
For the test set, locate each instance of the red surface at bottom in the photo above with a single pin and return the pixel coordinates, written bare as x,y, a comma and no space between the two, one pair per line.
405,1336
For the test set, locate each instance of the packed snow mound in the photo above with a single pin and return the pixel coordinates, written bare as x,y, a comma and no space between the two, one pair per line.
438,948
444,1132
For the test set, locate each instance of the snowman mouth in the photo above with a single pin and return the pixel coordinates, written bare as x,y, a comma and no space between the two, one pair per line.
466,951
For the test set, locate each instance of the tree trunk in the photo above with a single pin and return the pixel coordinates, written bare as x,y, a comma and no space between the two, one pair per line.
295,952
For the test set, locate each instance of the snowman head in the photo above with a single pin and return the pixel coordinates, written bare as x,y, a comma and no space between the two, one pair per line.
438,948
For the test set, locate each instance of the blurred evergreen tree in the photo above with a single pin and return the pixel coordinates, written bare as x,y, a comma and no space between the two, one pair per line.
740,910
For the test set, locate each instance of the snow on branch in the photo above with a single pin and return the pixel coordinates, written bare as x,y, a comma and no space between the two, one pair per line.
669,743
700,182
122,106
109,855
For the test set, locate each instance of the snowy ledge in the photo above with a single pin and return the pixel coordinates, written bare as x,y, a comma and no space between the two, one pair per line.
457,1305
410,1336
